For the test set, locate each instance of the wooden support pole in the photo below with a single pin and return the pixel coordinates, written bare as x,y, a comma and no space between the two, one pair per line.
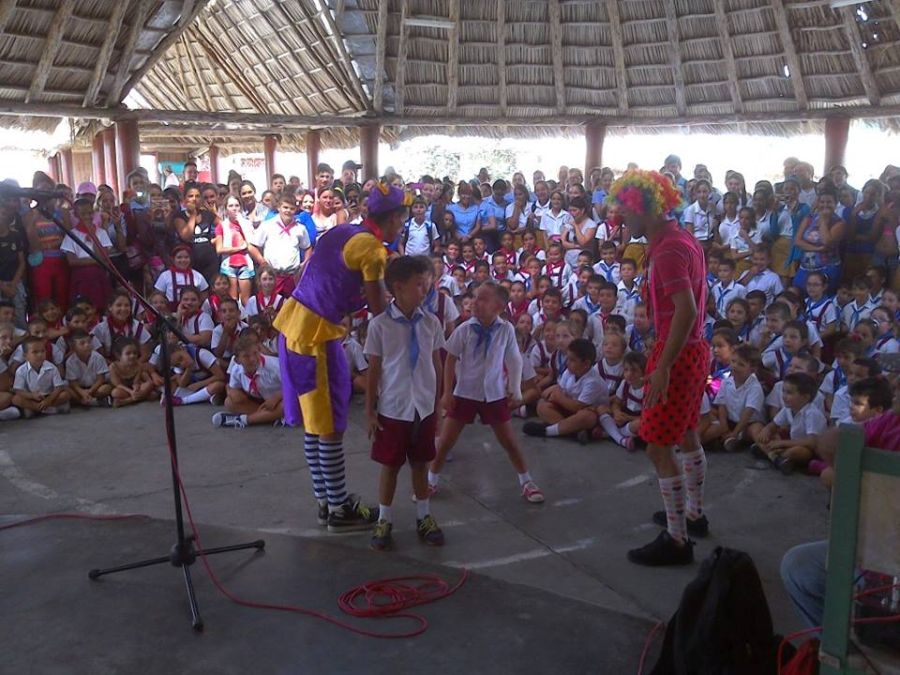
98,172
51,49
453,59
109,160
53,169
67,167
106,51
402,53
270,143
128,150
559,72
594,134
837,129
368,142
380,51
214,164
313,145
615,27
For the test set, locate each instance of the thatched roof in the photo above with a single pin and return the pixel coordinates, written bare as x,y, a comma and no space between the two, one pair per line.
759,65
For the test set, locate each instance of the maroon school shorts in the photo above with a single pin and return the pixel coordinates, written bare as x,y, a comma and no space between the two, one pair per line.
490,412
396,441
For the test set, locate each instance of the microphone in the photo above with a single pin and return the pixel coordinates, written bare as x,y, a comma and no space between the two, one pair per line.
12,192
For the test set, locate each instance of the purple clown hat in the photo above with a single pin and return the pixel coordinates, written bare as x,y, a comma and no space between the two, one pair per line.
385,198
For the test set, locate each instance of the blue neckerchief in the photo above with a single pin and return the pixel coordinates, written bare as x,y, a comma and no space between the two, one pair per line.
771,342
413,338
718,373
708,329
720,301
884,339
840,379
786,363
591,307
636,343
711,279
485,334
871,352
744,333
855,311
607,270
813,306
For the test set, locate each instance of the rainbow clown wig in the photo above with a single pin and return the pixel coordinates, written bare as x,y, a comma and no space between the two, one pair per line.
644,193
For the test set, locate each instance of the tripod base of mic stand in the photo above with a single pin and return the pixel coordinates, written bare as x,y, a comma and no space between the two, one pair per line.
183,555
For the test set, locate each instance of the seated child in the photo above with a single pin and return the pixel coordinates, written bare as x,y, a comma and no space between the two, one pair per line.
820,308
568,407
628,290
499,269
885,340
7,410
8,316
640,331
846,351
859,308
551,308
738,315
756,303
544,346
861,369
624,424
760,276
120,323
53,351
740,402
578,322
51,313
590,301
800,420
38,387
598,321
576,288
611,367
225,335
802,363
777,316
267,300
556,269
220,290
558,357
87,373
180,276
130,381
254,388
727,289
196,376
794,341
268,336
608,268
196,325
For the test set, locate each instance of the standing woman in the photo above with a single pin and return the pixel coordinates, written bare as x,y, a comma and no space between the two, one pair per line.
255,212
862,235
887,223
113,221
196,226
49,278
210,197
323,214
580,234
465,214
519,215
231,243
819,238
790,218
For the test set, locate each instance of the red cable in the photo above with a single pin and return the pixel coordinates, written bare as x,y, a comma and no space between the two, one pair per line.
647,644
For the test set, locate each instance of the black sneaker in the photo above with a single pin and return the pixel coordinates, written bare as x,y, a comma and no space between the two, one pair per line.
696,528
429,532
758,452
583,437
784,465
381,539
534,429
734,445
352,516
663,551
322,516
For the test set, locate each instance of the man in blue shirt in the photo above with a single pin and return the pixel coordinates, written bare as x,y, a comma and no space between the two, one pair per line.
493,215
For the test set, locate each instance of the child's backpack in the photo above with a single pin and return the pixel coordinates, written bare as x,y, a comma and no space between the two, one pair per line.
409,223
722,625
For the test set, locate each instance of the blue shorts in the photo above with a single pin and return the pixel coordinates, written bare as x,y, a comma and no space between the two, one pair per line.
243,272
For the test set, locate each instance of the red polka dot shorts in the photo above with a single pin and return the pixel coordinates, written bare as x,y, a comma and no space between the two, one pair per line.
666,423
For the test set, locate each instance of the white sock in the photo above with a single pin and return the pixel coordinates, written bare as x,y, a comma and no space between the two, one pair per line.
197,397
433,478
523,411
384,512
243,419
609,426
423,508
552,430
524,478
10,413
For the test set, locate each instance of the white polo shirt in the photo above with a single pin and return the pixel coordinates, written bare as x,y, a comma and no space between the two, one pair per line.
354,353
479,376
69,246
281,246
702,220
58,352
774,399
589,388
553,225
219,334
42,381
167,280
85,374
265,382
736,398
766,281
194,325
808,421
405,390
725,294
419,237
106,334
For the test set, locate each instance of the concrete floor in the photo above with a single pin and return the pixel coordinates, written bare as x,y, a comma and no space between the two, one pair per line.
572,548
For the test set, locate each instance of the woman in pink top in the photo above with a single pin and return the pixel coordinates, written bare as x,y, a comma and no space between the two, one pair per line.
231,245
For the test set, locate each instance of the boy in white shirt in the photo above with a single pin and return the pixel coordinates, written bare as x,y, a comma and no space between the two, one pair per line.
628,290
226,334
608,268
859,308
727,289
419,235
759,277
38,387
622,422
87,373
283,243
556,268
800,419
740,402
403,346
483,346
253,394
568,407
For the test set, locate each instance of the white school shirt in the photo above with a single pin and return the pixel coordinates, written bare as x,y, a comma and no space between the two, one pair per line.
281,246
766,281
420,237
58,353
69,246
540,209
354,353
608,272
821,313
538,355
165,282
775,400
725,294
479,376
451,311
558,273
701,219
852,314
571,255
589,388
85,374
197,324
840,406
611,375
219,334
585,303
627,300
553,226
42,381
104,334
523,216
887,344
254,306
728,228
809,421
736,398
740,245
632,398
267,378
405,390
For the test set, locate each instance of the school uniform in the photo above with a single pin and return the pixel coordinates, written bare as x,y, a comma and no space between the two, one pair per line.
85,374
728,228
261,385
419,237
887,344
219,336
725,293
754,333
55,352
585,303
38,381
356,359
194,325
538,253
107,332
840,407
589,389
259,303
541,318
516,311
611,374
701,220
538,355
282,246
608,272
773,345
833,381
637,342
572,292
777,360
626,300
853,313
775,399
596,328
737,398
172,282
632,400
822,313
766,281
558,273
553,225
808,421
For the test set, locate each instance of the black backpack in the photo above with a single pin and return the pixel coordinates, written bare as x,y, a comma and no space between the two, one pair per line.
723,625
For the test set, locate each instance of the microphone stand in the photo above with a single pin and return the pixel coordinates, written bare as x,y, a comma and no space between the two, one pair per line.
183,553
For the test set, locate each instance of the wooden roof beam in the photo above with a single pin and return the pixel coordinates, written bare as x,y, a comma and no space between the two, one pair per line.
380,51
501,56
201,83
51,49
851,31
618,44
790,54
453,58
728,52
106,51
559,79
345,59
6,8
675,56
402,50
134,33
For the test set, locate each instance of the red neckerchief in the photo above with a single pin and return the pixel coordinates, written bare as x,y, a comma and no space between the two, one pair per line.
372,227
449,265
515,312
263,303
285,229
604,317
499,277
509,255
125,328
231,337
215,302
469,266
253,386
196,318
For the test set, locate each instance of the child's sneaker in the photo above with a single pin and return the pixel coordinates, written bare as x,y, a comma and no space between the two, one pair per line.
816,467
381,539
733,444
784,464
277,424
532,493
628,443
352,516
105,402
428,530
223,419
534,429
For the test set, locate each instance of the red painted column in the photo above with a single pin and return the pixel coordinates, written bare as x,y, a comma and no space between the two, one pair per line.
313,145
53,169
594,134
98,173
368,146
67,167
270,142
214,164
128,150
837,130
109,160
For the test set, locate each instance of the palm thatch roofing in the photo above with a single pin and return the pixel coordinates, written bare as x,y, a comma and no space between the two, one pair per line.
229,71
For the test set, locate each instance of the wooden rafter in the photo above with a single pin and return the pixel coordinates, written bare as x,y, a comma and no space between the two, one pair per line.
618,44
198,76
232,104
559,79
851,31
380,52
453,58
344,58
142,11
790,54
51,49
189,11
501,56
6,8
106,51
674,47
402,49
737,102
